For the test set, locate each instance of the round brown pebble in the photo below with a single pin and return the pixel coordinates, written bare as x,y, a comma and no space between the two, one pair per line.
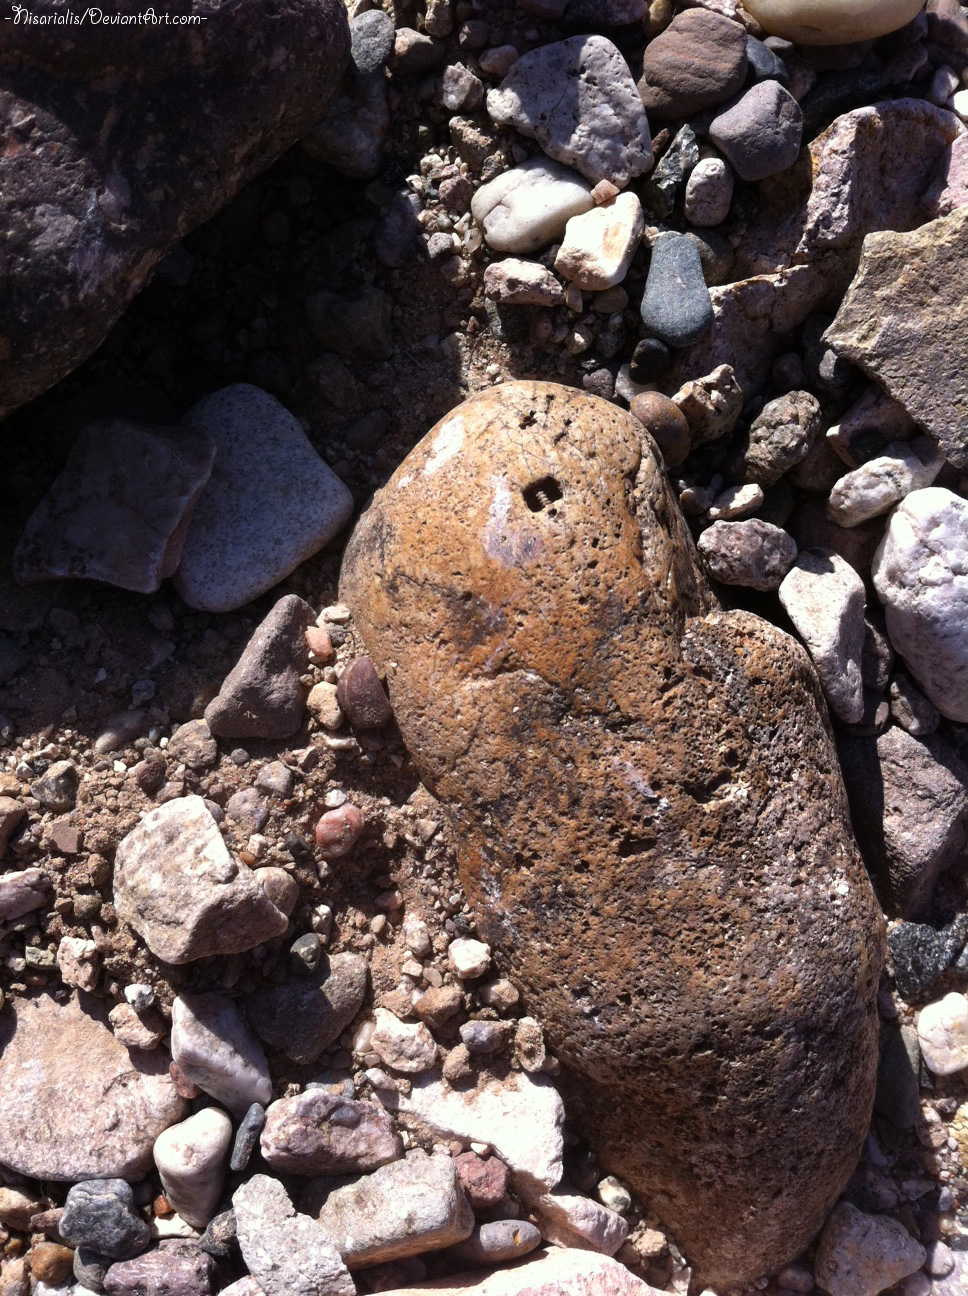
51,1263
483,1179
361,695
665,423
338,830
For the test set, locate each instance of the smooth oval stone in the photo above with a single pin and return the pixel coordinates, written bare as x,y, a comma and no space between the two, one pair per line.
652,828
676,305
831,22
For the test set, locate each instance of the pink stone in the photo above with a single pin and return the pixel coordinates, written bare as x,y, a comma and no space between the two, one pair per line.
338,830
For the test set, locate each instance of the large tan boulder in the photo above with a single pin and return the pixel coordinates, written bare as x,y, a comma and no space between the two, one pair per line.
650,816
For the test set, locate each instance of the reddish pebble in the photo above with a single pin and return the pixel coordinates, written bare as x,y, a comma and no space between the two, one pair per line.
183,1086
361,695
483,1179
666,424
338,830
162,1206
320,644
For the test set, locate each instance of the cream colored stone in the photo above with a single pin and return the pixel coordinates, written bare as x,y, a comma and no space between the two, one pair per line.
831,22
599,244
943,1034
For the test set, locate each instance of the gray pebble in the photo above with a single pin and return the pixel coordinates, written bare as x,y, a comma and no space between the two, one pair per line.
248,809
499,1240
764,63
276,779
220,1240
371,41
246,1139
306,953
484,1036
100,1214
761,134
90,1268
57,789
676,306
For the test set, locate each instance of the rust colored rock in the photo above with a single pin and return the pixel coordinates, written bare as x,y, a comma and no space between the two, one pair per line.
653,830
665,423
118,139
338,831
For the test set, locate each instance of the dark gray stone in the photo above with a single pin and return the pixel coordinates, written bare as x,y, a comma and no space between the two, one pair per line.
304,1015
371,41
91,1268
262,696
897,1095
120,509
650,361
247,1137
220,1239
91,198
763,63
358,328
12,659
921,953
306,953
101,1214
57,789
761,134
661,191
676,305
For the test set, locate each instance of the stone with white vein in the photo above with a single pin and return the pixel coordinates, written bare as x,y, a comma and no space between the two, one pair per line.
921,576
216,1051
577,98
880,483
824,598
943,1034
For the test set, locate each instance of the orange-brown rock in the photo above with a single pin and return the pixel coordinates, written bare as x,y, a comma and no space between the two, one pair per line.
651,821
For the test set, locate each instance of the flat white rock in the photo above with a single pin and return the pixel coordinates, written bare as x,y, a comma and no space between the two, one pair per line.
74,1102
880,483
270,503
177,885
548,1273
831,22
824,598
520,1117
529,206
192,1159
215,1050
920,572
862,1255
943,1034
578,99
599,244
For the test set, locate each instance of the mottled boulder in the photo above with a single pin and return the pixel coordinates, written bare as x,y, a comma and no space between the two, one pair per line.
653,829
103,167
74,1102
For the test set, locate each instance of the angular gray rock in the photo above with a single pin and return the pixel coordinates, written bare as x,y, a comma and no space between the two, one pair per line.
920,573
861,1255
318,1133
216,1051
904,321
909,805
120,508
270,502
101,1214
824,598
75,1103
306,1014
262,696
288,1254
578,100
177,885
402,1209
92,199
780,436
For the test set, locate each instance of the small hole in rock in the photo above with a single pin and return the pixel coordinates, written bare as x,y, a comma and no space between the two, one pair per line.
540,494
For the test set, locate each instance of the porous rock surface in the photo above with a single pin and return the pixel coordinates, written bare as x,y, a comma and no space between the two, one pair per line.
91,197
579,664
